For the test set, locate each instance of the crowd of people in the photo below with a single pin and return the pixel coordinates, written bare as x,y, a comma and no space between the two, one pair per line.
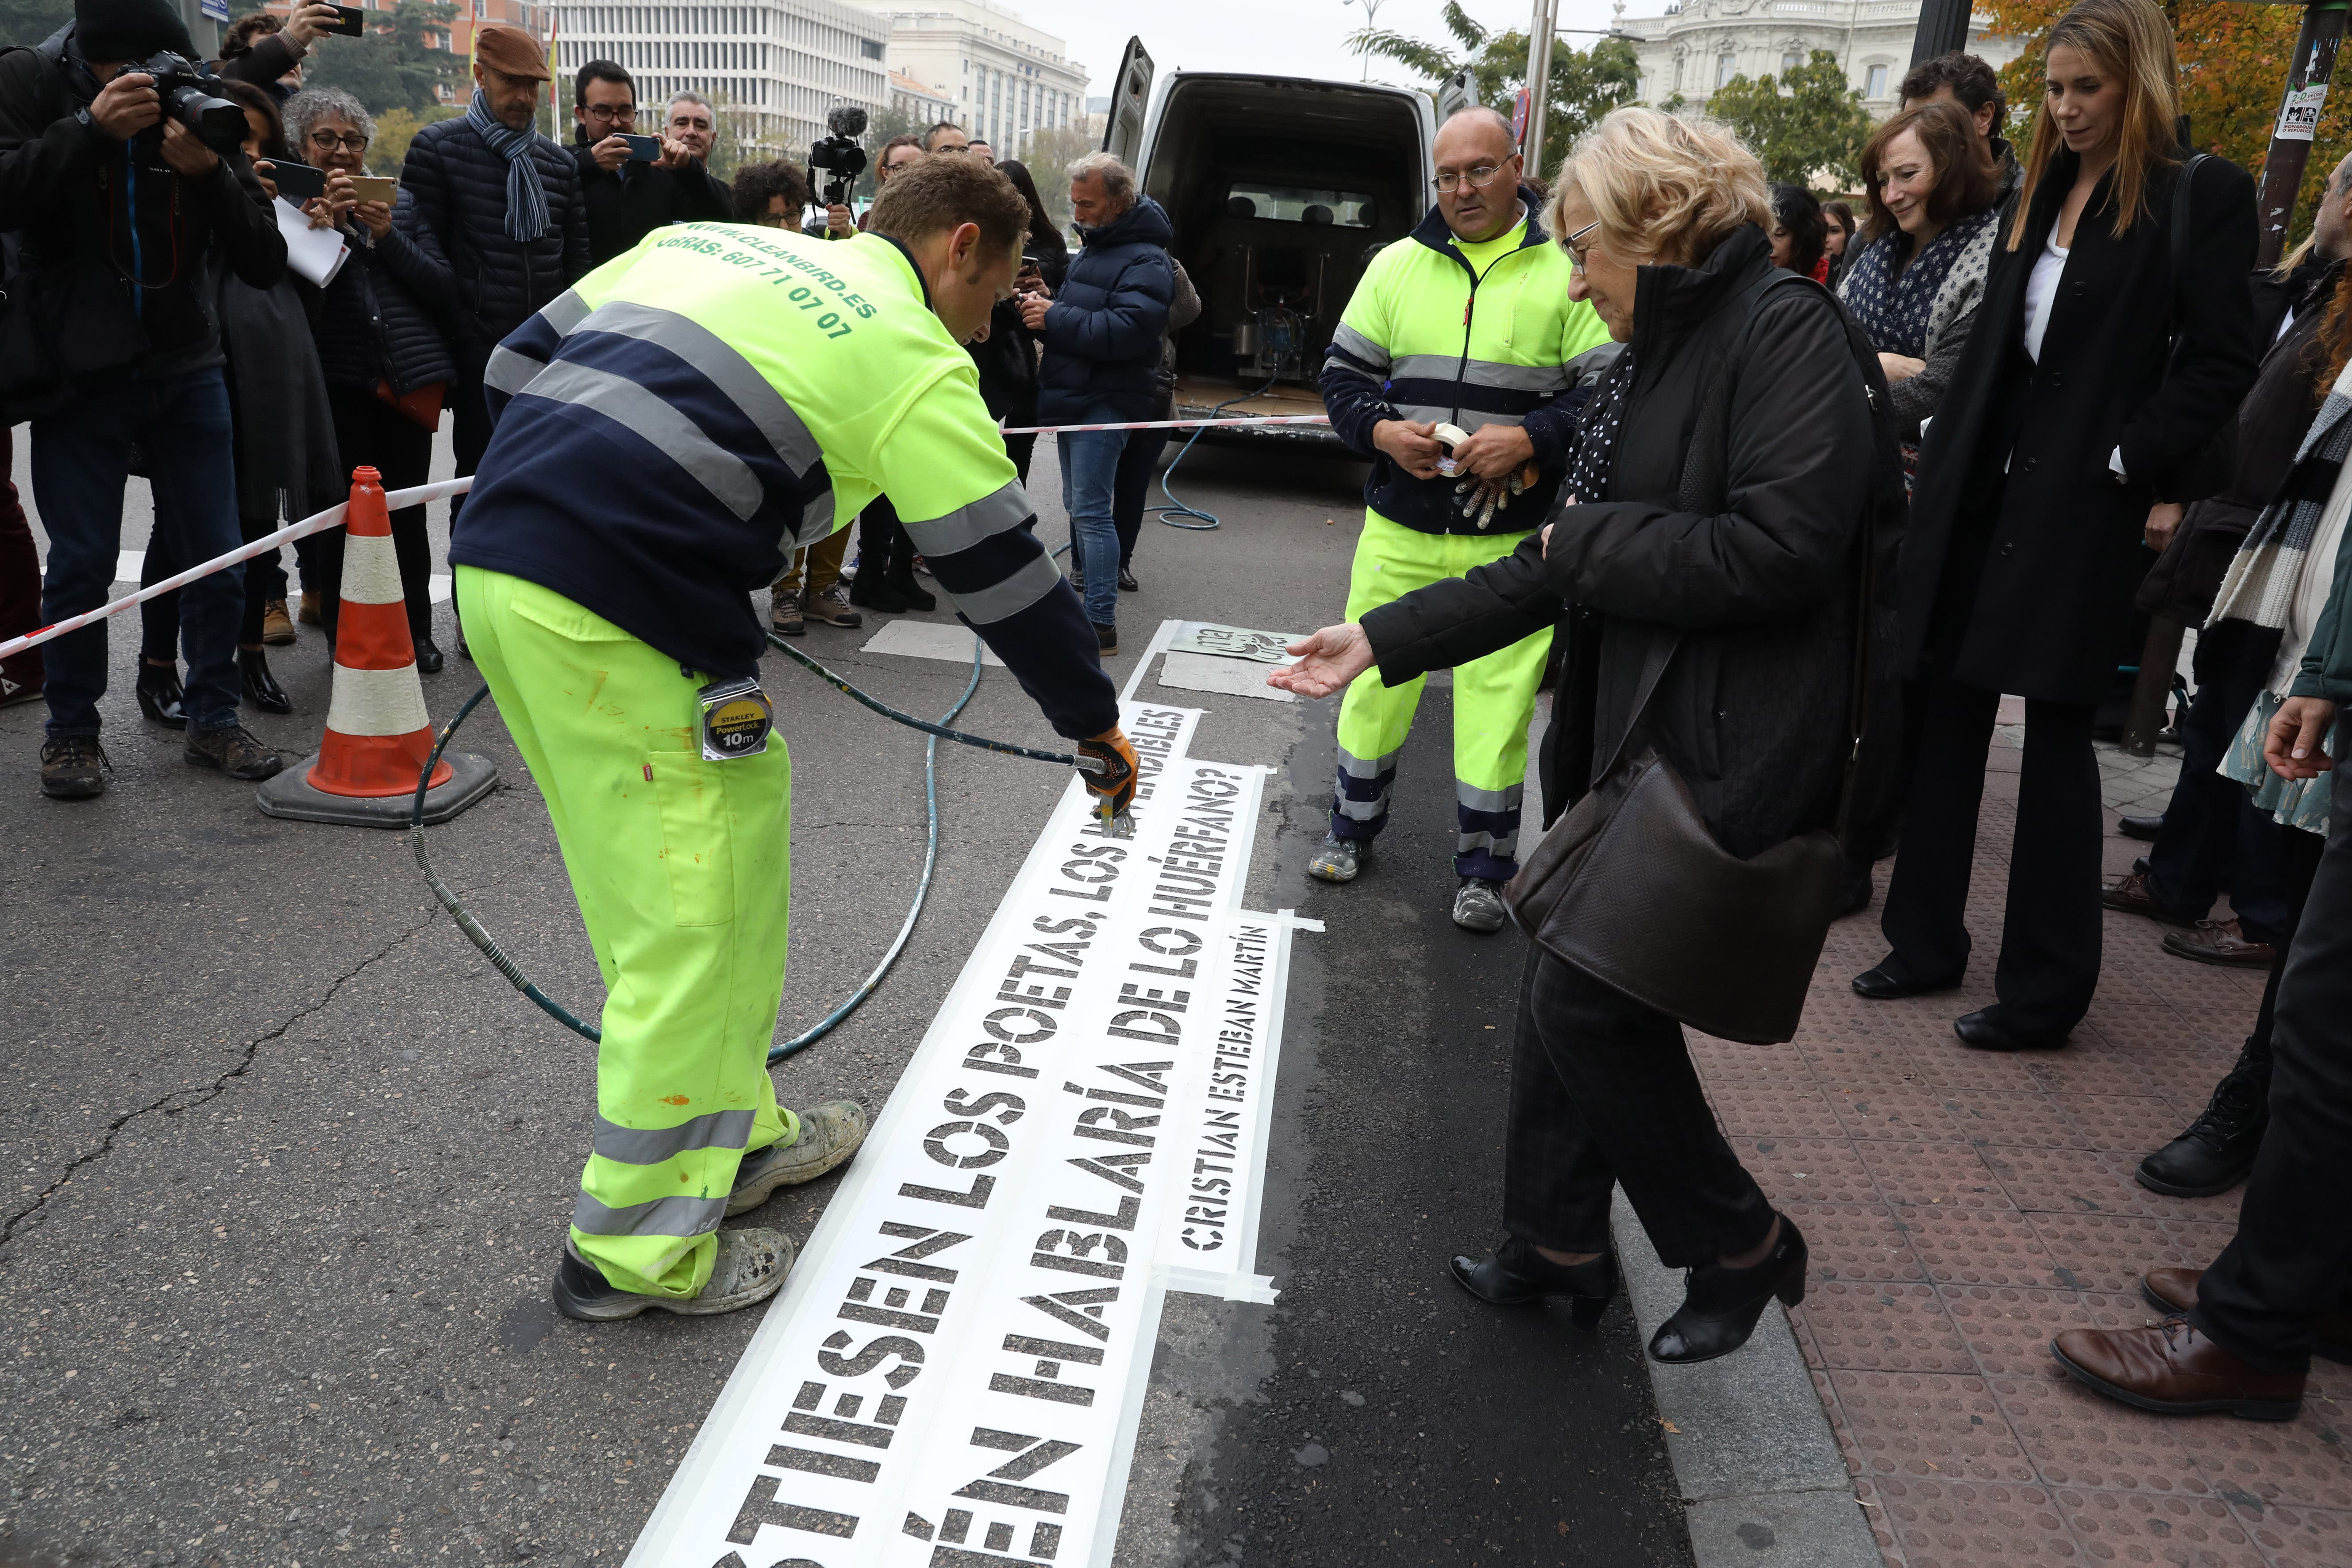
248,390
1797,553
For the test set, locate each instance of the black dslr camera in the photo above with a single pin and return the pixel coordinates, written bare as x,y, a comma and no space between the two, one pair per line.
183,85
839,155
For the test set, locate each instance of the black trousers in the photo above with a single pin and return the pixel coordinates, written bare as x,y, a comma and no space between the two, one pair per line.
1131,487
469,431
159,617
371,433
2298,865
2289,1260
2050,930
2211,832
1602,1093
1021,449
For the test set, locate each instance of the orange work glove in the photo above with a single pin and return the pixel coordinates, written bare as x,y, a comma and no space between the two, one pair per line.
1116,789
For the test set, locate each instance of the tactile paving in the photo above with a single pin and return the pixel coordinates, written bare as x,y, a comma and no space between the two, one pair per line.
1884,1326
2076,1438
1856,1242
2130,1526
2111,1251
2064,1181
1932,1176
1951,1524
1922,1428
1901,1113
1975,1247
2009,1330
2128,1124
2299,1537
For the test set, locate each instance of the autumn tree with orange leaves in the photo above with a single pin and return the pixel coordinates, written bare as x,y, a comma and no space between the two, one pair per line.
2234,60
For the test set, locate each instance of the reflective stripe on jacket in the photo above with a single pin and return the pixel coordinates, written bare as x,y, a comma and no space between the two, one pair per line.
1426,338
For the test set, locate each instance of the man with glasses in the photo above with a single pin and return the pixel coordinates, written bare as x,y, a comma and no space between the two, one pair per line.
1465,322
629,197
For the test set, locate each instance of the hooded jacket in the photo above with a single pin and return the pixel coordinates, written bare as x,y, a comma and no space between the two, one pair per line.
1426,337
1102,333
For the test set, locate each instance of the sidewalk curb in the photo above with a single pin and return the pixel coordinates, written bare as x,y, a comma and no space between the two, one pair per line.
1762,1483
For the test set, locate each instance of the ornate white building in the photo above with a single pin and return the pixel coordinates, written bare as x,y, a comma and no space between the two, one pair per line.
1699,45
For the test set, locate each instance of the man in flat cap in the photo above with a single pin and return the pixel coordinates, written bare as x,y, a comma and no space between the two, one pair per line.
497,206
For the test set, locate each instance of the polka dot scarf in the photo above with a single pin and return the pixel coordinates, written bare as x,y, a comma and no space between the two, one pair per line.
1596,444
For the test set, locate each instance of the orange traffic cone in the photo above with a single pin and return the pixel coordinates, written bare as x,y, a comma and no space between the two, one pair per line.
378,732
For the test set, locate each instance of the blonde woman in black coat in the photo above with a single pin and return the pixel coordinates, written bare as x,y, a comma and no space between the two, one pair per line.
2096,374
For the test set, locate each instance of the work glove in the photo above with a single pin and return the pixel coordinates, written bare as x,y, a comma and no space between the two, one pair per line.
1114,790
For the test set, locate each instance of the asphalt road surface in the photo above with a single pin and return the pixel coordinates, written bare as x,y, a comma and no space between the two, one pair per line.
287,1165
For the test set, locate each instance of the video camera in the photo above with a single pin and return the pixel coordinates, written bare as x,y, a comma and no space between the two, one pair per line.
183,85
839,155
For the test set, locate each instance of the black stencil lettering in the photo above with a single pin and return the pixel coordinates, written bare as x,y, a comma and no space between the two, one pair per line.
1061,1304
856,1432
760,1507
1099,1168
1000,1537
935,1144
893,1406
1154,1101
810,1396
975,1199
909,1354
1008,1062
862,1289
783,1456
1045,1540
1144,1073
956,1525
926,1242
915,1322
960,1101
1123,1220
1035,1388
848,1404
1166,1031
916,1526
1061,1350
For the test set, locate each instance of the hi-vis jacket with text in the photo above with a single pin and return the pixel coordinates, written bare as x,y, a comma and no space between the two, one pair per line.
670,429
1426,338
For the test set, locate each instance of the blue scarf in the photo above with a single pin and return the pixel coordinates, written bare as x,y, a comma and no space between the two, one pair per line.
527,216
1891,307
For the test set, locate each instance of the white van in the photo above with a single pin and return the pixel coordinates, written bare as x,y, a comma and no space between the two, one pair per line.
1281,190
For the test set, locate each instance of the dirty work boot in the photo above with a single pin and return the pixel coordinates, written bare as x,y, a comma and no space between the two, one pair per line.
830,1134
2218,1149
750,1266
235,752
74,767
784,619
831,608
1478,905
1338,859
276,626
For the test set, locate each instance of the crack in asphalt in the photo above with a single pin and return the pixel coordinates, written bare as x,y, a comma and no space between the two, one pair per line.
181,1099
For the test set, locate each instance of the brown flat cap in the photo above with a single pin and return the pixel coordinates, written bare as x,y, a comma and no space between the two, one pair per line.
511,50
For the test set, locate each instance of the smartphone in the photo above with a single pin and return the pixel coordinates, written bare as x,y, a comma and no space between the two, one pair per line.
642,149
384,188
353,23
297,183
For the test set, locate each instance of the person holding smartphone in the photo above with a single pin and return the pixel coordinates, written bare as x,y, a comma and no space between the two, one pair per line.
632,184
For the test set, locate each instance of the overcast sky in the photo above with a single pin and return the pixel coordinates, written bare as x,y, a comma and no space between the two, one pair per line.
1287,38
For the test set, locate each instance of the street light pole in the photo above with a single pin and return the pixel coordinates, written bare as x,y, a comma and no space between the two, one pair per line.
1540,28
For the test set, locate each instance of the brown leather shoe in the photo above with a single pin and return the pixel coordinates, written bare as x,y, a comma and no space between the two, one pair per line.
2129,893
2173,1370
2219,941
2175,1290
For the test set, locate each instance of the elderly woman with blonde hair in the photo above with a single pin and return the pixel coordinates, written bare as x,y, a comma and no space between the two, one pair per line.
1700,571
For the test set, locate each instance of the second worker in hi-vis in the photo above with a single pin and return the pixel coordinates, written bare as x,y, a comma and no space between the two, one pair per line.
667,432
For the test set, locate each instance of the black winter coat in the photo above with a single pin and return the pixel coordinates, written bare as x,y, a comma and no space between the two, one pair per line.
65,189
457,217
373,325
631,202
2024,583
1007,360
1102,333
1753,709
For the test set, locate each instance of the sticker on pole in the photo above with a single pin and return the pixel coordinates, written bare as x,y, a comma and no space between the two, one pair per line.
954,1373
2298,118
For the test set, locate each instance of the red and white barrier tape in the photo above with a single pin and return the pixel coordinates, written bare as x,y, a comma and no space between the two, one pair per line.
316,523
1170,424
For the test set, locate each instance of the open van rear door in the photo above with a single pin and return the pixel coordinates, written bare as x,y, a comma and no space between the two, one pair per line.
1455,94
1130,96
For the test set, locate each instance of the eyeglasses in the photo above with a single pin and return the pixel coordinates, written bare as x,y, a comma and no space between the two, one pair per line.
1576,257
327,142
603,114
1477,178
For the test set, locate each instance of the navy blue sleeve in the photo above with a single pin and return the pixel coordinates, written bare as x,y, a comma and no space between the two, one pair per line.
1354,389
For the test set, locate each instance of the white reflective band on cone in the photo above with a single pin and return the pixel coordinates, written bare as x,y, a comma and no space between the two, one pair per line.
371,571
377,702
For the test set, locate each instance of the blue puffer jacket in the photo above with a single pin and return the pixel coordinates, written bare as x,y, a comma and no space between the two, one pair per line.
1102,333
371,325
457,214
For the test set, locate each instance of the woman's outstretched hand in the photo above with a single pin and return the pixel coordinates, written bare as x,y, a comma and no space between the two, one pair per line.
1327,661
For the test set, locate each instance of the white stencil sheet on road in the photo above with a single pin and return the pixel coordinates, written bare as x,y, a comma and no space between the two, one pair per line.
954,1373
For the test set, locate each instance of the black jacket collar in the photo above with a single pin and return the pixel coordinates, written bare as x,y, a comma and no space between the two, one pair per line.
1670,302
1432,232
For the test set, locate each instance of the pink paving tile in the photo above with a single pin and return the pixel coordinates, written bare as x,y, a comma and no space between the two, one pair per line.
2002,1116
1766,1110
1807,1170
1945,1063
2126,1124
2066,1181
2131,1527
2100,1070
2008,1330
1929,1428
1730,1061
1932,1176
2300,1537
2258,1464
2078,1439
1976,1247
1856,1242
1965,1524
1884,1326
1902,1113
1882,1529
2110,1252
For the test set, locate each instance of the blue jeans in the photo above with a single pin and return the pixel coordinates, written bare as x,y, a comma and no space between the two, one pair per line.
1090,475
81,455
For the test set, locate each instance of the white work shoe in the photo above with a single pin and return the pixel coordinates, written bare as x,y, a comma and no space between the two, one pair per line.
1337,859
830,1134
750,1266
1478,905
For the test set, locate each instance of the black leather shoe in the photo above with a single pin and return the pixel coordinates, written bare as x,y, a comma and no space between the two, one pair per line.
2144,828
261,688
1980,1031
1890,982
159,696
876,597
1515,1275
2218,1151
1720,1306
1127,582
429,658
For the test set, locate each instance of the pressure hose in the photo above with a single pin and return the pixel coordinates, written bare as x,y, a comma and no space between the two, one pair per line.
505,963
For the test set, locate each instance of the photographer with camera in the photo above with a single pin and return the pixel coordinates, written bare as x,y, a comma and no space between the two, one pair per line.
123,179
633,184
838,160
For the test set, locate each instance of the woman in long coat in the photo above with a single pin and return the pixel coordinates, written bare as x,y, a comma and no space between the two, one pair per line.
2097,376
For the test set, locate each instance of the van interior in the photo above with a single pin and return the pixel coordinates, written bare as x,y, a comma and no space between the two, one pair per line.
1281,190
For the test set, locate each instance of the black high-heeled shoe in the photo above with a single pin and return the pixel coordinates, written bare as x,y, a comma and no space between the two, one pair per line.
1514,1274
261,688
159,696
1720,1305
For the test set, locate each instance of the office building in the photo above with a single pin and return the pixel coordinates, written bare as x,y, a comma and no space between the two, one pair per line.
1005,77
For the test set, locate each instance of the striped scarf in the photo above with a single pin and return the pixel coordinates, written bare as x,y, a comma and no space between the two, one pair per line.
2263,575
527,216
